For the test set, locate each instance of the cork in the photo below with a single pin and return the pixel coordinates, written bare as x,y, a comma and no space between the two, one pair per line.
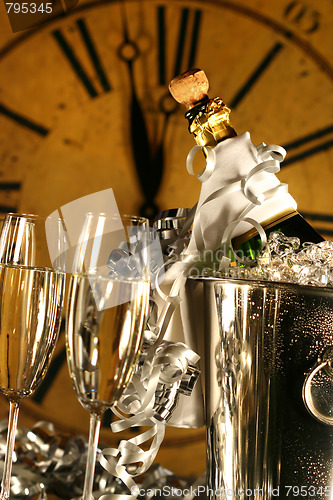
190,88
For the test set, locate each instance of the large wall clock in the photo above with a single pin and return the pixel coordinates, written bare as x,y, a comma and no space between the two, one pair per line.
84,106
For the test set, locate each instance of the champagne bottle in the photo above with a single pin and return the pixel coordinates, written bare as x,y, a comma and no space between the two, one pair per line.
210,124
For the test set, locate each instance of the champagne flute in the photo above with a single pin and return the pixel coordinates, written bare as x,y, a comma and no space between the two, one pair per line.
107,310
31,298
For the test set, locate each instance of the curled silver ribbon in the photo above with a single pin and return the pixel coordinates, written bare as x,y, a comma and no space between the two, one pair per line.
149,401
164,371
46,462
204,175
49,463
271,155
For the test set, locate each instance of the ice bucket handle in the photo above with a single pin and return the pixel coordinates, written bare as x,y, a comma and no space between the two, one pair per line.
323,363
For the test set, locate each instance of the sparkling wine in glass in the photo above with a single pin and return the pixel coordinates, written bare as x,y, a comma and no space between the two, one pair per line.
31,297
106,316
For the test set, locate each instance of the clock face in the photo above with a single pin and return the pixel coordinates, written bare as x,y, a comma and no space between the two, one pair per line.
84,106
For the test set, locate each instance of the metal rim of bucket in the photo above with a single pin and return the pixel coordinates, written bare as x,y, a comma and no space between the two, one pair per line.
264,283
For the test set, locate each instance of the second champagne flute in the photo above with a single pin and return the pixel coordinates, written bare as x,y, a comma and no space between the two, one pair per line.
107,310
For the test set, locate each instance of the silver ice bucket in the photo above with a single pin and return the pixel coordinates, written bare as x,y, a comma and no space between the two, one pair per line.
268,384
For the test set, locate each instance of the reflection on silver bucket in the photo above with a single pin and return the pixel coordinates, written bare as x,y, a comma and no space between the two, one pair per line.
268,388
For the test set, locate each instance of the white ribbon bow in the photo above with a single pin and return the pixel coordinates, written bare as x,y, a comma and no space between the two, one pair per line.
271,155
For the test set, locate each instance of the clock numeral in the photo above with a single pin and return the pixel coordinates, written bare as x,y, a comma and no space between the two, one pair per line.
75,63
9,186
23,121
189,29
301,14
321,139
256,74
107,419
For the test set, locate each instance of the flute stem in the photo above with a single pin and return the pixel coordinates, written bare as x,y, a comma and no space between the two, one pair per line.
7,470
95,424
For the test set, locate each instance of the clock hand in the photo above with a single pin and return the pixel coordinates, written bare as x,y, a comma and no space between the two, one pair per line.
148,170
168,106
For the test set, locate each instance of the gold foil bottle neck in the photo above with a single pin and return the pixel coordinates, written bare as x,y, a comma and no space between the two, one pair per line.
209,122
